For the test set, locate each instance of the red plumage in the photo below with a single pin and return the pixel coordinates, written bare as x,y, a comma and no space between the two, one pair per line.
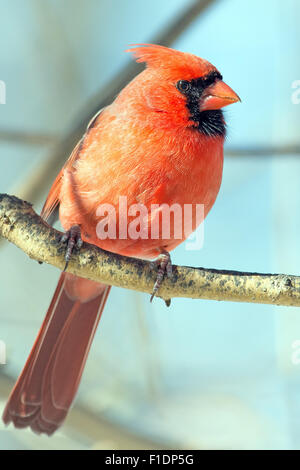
156,143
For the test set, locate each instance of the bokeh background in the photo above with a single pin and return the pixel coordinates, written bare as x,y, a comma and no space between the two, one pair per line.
201,374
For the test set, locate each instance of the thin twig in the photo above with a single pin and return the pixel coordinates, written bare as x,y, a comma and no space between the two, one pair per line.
19,137
22,226
264,151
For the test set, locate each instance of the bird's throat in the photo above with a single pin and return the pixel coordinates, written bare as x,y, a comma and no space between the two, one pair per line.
210,123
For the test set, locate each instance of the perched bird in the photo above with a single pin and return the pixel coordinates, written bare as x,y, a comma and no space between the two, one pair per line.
160,142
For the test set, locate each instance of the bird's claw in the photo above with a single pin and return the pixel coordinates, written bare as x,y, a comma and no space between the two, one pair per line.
73,239
163,262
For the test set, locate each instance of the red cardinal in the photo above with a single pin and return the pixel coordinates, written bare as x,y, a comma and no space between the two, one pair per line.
160,142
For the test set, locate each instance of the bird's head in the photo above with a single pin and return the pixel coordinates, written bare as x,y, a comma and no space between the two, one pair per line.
183,89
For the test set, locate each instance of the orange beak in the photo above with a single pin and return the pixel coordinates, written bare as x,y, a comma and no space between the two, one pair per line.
217,96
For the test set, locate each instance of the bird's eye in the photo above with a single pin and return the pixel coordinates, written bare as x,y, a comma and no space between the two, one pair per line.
183,86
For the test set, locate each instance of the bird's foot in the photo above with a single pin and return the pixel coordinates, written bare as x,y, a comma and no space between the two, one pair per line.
73,239
163,262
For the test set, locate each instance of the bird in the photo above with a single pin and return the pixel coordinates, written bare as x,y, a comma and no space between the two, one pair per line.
160,142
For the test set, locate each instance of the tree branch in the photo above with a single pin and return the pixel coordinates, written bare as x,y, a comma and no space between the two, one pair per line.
22,226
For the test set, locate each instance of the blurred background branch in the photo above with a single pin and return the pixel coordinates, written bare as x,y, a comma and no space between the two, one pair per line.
92,427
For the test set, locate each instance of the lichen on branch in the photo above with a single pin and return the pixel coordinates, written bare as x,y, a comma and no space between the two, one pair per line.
20,224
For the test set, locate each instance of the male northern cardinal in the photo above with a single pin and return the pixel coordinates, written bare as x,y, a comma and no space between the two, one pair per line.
159,142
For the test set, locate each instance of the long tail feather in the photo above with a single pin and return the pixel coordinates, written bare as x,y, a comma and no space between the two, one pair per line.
48,383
